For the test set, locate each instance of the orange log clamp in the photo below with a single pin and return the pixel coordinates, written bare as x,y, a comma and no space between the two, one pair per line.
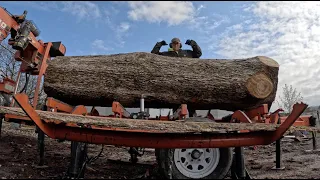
119,110
181,112
57,105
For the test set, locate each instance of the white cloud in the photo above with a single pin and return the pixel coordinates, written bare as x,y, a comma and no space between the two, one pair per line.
161,11
82,9
184,13
207,24
122,31
124,27
98,44
88,11
285,31
45,6
200,7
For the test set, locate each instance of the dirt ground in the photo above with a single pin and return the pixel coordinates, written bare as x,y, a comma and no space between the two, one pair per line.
19,158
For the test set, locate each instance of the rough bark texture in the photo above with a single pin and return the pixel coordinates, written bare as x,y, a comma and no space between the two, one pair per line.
236,84
133,124
151,125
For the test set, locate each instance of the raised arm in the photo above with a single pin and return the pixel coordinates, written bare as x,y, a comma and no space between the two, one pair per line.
196,50
157,47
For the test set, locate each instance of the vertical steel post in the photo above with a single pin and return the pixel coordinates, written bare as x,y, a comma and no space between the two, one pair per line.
78,158
314,141
241,172
1,119
278,153
142,103
238,168
41,145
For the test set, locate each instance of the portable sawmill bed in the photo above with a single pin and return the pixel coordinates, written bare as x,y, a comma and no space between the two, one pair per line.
80,128
152,133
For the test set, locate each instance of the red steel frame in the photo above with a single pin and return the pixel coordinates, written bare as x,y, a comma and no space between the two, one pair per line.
150,139
45,48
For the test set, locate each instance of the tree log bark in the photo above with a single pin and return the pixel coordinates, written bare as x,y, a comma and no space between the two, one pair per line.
152,125
143,125
234,84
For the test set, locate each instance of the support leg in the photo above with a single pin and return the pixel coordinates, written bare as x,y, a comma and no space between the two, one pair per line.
314,140
133,155
238,168
278,153
40,145
1,120
78,158
314,143
240,162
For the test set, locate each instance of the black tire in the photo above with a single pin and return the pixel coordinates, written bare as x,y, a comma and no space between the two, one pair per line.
165,161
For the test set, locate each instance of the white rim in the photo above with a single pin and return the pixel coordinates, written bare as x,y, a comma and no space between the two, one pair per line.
196,163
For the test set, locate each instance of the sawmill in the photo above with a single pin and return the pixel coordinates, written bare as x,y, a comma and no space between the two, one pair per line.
185,147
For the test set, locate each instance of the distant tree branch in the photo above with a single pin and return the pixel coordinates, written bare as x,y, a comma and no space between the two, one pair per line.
289,97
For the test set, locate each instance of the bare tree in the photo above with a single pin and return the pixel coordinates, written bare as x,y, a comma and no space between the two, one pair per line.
289,98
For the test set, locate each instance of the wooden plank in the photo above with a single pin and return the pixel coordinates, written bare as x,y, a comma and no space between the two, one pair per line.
150,125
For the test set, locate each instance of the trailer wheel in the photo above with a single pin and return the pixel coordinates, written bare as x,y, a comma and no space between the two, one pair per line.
195,163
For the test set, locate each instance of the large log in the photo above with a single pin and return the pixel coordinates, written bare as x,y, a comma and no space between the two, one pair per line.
228,84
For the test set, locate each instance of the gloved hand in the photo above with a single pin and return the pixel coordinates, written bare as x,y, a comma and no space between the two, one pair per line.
163,43
188,42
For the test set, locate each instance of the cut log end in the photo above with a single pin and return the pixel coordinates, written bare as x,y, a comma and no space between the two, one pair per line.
268,61
259,85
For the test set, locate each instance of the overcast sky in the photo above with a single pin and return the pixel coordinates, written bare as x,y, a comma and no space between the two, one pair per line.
285,31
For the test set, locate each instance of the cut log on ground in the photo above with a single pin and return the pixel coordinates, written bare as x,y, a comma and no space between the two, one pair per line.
227,84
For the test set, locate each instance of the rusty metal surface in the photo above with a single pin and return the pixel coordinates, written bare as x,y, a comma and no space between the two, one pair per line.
57,105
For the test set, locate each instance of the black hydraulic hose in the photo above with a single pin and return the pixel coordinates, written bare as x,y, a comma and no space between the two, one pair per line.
25,85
